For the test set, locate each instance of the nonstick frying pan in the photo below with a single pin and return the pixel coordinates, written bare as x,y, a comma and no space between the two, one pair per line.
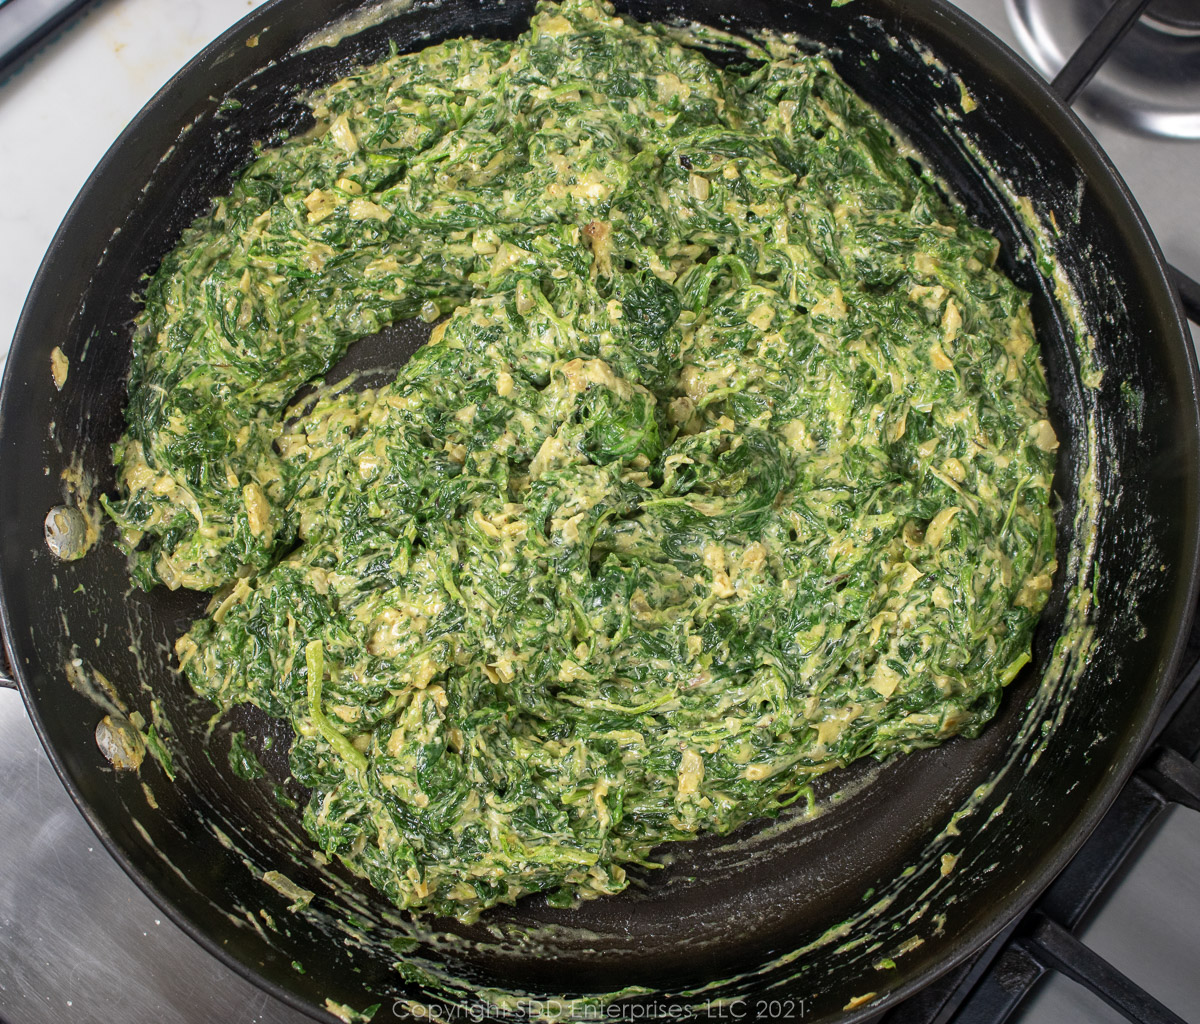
911,866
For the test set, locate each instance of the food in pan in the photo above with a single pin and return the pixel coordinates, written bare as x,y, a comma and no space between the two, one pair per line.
727,461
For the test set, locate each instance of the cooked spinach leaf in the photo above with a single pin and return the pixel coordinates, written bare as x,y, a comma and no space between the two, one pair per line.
727,464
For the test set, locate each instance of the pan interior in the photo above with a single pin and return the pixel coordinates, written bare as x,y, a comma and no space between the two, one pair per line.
723,905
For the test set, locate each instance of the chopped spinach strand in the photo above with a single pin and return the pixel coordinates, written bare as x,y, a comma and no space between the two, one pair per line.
242,760
728,462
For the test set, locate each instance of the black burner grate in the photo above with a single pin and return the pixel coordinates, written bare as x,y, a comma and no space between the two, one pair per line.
990,987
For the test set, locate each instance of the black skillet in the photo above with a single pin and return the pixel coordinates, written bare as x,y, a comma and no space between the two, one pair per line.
723,907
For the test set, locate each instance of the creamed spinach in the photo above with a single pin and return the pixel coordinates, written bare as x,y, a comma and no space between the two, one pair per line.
727,461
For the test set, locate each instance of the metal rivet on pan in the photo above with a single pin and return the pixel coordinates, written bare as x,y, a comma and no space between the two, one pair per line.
66,532
120,742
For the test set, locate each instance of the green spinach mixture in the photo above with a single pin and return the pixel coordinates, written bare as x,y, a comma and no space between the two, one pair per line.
727,462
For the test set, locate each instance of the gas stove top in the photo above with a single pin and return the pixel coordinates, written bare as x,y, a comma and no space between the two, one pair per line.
80,942
1151,84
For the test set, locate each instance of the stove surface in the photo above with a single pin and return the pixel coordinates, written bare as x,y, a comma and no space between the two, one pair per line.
78,940
1152,82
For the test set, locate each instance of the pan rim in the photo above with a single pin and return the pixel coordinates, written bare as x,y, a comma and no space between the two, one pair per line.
1135,232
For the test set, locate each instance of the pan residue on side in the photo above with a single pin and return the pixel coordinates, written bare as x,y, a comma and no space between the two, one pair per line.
353,23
